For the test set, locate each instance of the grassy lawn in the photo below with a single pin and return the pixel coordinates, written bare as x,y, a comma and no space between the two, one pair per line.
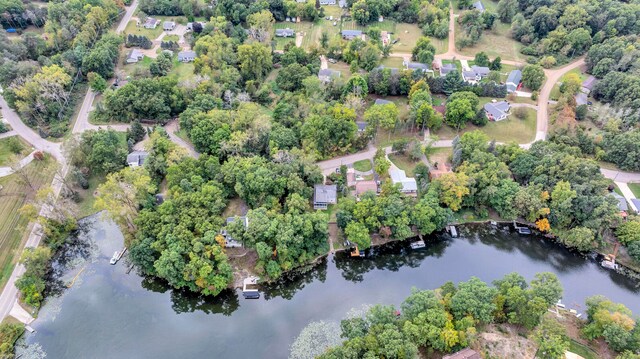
496,42
511,129
181,70
6,154
152,34
386,138
407,36
404,163
393,62
174,38
13,226
582,350
635,188
440,155
401,102
85,205
343,67
363,165
130,69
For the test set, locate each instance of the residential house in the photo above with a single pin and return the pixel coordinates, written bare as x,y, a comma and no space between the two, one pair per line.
324,195
581,99
230,242
409,185
365,186
476,74
137,158
446,68
463,354
380,101
587,85
134,56
342,3
623,206
186,56
301,1
351,34
636,203
168,25
328,2
285,32
351,177
478,5
362,126
392,69
418,66
326,75
514,80
497,111
151,23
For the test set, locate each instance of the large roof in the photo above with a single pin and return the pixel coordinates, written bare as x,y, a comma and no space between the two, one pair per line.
497,109
400,176
137,157
515,77
478,5
351,32
380,101
326,193
622,202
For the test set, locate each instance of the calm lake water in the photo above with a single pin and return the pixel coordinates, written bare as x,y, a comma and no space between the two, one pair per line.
109,313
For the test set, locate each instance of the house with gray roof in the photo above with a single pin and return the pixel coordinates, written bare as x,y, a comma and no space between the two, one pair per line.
134,56
137,158
475,74
186,56
168,25
324,195
623,206
342,3
587,85
285,32
446,68
417,66
581,99
326,75
408,184
151,23
380,101
393,70
328,2
351,34
478,5
497,111
513,81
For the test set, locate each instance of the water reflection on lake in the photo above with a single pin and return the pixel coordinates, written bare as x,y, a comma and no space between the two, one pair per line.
111,312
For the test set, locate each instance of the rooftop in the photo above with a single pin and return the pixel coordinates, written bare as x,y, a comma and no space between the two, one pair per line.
622,202
589,82
478,5
326,193
137,157
515,77
497,109
399,176
351,32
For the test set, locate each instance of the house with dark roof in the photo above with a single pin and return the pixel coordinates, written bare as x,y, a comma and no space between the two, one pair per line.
478,5
285,32
351,34
466,353
324,195
446,68
168,25
475,74
497,111
417,66
134,56
186,56
151,23
326,75
514,80
623,206
137,158
587,85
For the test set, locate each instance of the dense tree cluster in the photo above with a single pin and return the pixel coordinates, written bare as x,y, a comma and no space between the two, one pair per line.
100,152
139,41
446,319
473,23
16,14
390,214
613,322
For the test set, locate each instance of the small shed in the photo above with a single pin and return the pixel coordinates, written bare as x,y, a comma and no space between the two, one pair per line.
351,34
285,32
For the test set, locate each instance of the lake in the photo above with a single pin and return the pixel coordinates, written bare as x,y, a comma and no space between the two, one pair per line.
110,311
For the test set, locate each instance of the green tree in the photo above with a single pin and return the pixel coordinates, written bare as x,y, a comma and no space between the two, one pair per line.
552,339
255,61
481,59
628,232
385,116
458,112
533,76
474,298
424,51
358,234
97,82
547,286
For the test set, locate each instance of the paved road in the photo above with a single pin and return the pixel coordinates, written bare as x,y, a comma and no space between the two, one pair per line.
127,16
619,176
6,171
8,134
28,134
553,76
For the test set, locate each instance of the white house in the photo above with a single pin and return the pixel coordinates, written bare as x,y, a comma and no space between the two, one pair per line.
134,56
168,25
328,2
186,56
476,74
151,23
409,185
137,158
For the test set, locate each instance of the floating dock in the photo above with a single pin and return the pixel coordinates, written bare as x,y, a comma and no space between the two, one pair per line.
453,231
250,288
418,245
117,256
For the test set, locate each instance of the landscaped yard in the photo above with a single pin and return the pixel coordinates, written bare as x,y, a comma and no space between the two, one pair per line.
396,62
343,67
582,350
408,35
13,226
85,205
9,145
440,155
635,188
511,129
403,162
363,165
152,34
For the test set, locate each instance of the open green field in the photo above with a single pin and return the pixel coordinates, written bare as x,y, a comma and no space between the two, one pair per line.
404,163
393,62
152,34
635,188
13,227
495,42
6,154
85,205
511,129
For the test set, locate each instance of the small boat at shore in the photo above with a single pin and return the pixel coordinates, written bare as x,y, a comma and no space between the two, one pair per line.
417,245
115,258
524,230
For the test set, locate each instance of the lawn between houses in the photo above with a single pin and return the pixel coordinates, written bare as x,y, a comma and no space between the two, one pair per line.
6,152
511,129
14,227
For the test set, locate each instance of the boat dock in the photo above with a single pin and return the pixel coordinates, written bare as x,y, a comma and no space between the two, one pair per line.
453,231
117,256
250,288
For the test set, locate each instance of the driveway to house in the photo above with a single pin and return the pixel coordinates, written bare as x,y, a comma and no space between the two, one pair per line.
323,62
552,77
172,127
127,17
619,176
628,195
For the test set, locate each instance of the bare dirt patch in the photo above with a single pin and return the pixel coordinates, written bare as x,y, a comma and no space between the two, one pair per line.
505,341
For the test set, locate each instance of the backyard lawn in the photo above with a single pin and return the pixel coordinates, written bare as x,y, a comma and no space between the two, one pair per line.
152,34
13,226
85,205
404,163
9,145
495,42
363,165
511,129
440,155
408,35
